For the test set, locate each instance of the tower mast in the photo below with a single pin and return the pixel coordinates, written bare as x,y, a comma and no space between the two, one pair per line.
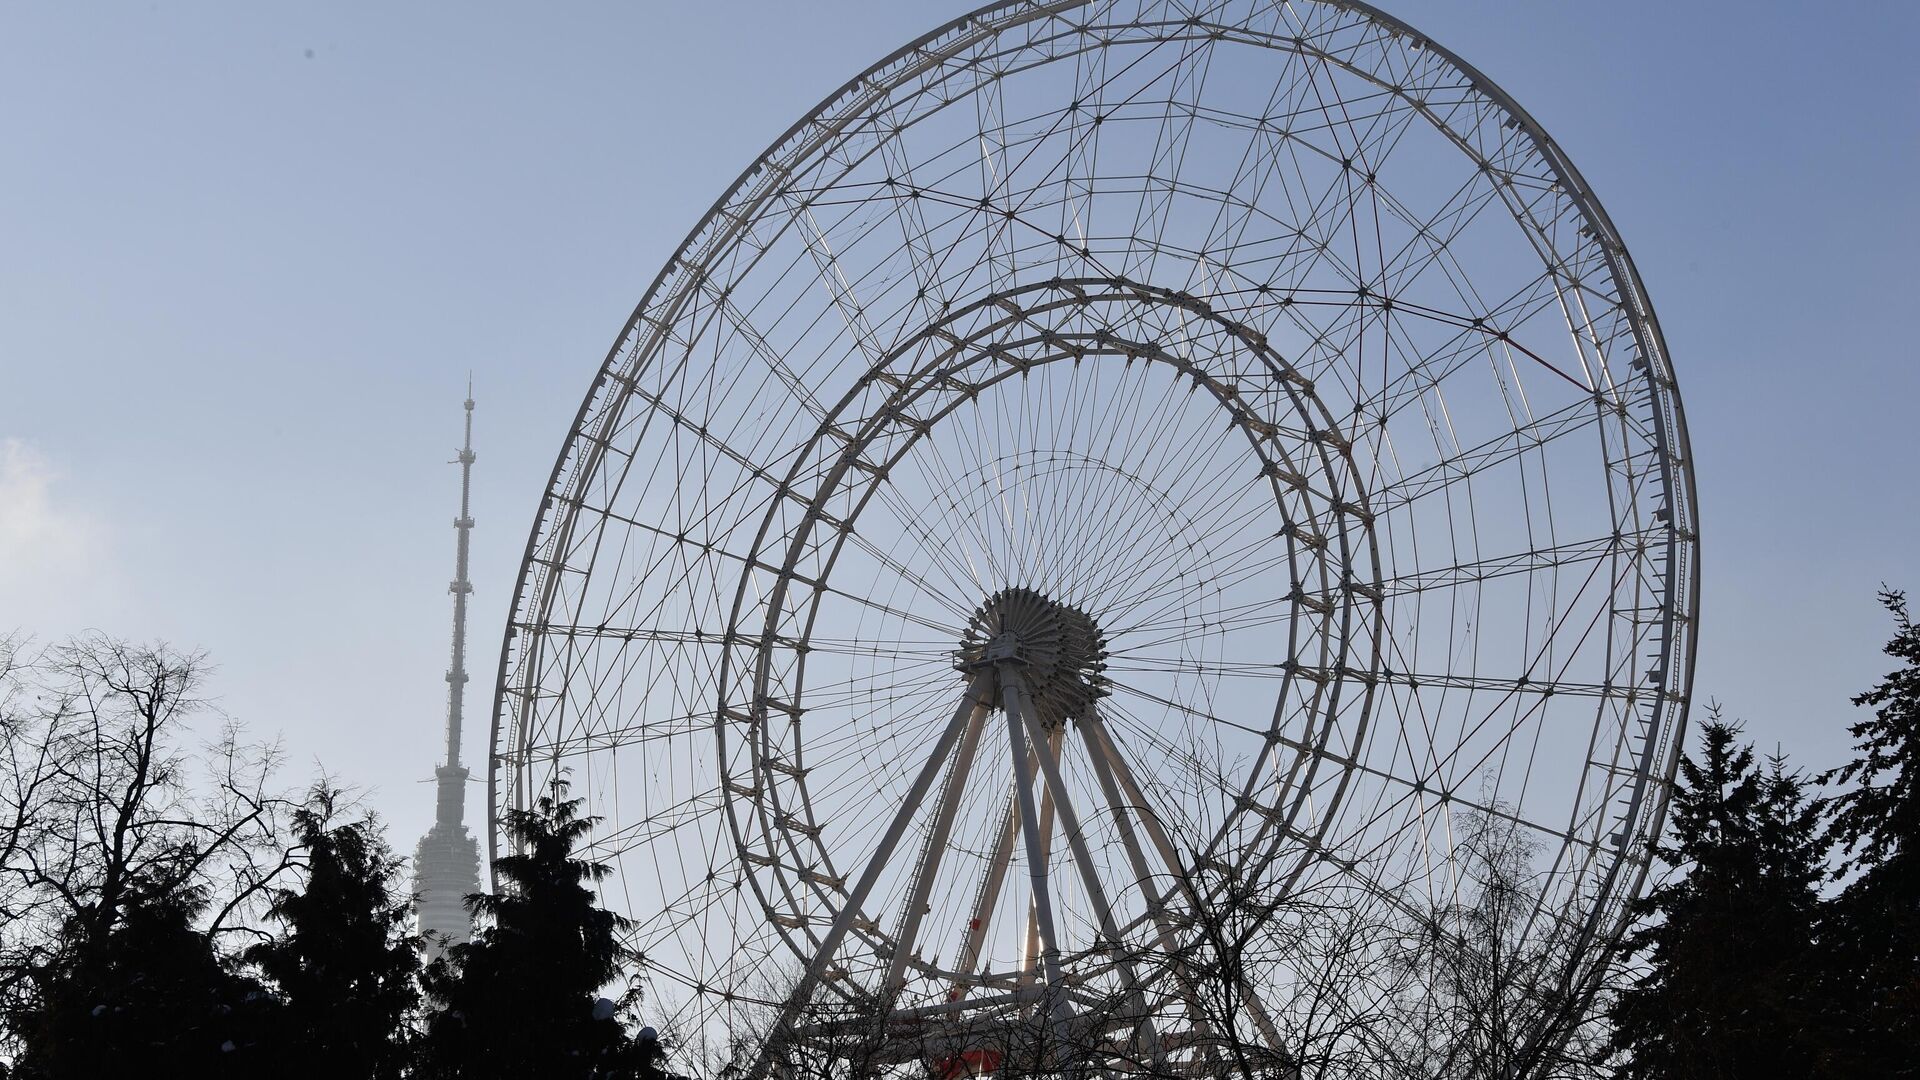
461,588
447,863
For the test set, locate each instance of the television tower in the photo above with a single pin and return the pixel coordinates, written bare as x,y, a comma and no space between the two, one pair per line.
446,866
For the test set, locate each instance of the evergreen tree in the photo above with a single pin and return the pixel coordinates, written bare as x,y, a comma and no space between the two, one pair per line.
1727,946
1872,929
151,996
522,998
344,965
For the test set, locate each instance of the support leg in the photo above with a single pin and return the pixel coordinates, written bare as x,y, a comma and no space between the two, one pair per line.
1094,730
978,692
989,896
1029,827
1166,934
1032,952
1083,860
928,866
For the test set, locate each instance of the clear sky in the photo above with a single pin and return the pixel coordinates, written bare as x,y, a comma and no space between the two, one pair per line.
249,253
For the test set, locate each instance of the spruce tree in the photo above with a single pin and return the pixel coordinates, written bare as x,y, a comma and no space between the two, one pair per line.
344,965
1727,945
1872,929
523,998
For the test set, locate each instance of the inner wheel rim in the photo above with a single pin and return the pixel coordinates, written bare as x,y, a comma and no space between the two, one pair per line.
1316,548
1499,632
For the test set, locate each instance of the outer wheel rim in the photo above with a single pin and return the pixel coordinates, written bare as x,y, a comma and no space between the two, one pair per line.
1668,696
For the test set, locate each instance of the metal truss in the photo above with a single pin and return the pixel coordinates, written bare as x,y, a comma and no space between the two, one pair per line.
1109,461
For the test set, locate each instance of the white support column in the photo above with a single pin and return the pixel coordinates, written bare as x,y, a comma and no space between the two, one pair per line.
1029,820
1148,820
984,904
1032,949
1124,813
978,692
1107,756
1083,860
936,845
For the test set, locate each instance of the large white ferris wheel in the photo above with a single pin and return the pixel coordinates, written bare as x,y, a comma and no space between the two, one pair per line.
1109,456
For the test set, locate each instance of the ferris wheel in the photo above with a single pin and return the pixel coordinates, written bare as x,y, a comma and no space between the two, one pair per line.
1108,458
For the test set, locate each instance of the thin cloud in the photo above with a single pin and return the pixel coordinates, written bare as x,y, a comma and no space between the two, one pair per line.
52,556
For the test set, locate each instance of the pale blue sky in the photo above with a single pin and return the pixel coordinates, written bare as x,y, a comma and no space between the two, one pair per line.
248,254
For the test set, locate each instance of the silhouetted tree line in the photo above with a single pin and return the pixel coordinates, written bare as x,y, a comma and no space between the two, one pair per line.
170,913
1788,944
166,913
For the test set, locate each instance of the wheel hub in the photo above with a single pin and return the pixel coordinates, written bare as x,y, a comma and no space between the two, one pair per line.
1056,647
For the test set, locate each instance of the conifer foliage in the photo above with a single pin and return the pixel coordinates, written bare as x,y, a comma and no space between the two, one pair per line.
345,966
523,998
1728,946
1872,929
1784,942
151,989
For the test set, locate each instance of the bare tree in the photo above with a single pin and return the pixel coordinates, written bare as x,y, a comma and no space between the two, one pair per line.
1328,977
1252,984
1492,993
1285,984
106,809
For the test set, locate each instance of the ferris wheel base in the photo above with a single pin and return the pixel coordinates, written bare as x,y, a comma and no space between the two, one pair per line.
950,1045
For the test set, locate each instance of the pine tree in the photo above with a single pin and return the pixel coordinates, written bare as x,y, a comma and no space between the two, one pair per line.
344,965
1727,946
523,997
1872,929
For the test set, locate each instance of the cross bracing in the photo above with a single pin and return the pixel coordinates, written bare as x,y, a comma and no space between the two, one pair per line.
1267,339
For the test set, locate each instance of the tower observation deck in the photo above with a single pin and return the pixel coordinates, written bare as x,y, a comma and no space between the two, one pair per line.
446,865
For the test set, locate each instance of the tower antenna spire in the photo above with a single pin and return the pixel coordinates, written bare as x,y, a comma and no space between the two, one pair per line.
446,866
461,588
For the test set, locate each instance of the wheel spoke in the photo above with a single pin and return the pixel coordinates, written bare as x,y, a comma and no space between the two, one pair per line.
1252,389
